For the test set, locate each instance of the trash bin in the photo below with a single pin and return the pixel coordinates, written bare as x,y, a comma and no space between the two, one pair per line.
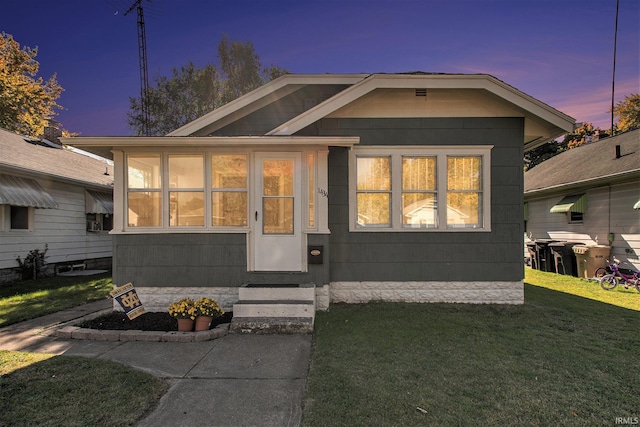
590,258
531,247
545,258
564,258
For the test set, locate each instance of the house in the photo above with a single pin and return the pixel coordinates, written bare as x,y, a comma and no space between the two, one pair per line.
589,194
399,187
56,197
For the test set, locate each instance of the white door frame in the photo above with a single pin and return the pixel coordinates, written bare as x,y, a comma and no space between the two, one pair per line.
270,251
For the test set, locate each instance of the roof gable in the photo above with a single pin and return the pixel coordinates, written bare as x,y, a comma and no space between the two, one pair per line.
492,98
588,163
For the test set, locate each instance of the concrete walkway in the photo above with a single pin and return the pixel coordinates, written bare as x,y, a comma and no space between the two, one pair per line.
236,380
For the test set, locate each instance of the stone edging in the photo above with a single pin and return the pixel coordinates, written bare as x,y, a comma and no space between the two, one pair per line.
75,332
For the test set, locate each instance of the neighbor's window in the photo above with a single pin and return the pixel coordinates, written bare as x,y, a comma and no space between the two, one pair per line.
420,188
229,190
373,191
464,191
19,218
186,190
144,185
99,222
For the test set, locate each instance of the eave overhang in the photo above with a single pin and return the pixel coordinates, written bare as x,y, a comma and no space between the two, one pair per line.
103,146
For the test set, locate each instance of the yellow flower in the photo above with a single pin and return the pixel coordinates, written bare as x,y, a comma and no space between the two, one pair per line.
183,309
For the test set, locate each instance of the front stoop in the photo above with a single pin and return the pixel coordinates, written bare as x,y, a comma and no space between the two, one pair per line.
274,309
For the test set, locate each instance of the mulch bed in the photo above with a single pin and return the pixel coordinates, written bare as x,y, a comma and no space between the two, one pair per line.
151,321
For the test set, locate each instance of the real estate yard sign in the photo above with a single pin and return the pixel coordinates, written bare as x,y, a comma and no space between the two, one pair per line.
127,297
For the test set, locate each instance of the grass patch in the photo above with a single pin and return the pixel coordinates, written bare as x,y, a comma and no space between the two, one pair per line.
559,359
46,390
627,298
34,298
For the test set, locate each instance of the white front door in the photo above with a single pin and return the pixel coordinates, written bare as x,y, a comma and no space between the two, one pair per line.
277,236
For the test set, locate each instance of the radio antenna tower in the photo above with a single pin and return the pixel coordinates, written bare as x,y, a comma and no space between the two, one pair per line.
144,74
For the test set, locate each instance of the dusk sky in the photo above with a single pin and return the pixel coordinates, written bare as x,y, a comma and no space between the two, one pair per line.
558,51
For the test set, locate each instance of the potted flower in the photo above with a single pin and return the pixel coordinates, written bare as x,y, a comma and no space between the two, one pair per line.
185,311
206,310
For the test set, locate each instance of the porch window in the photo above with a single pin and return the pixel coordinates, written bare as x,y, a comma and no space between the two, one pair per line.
420,188
229,190
186,190
144,190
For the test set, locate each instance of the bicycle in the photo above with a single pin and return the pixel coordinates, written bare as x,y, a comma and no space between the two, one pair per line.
619,276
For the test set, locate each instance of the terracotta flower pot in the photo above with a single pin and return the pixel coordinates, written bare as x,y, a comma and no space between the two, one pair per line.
185,325
203,323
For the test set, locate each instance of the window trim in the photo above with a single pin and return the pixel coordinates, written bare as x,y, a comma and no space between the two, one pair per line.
441,153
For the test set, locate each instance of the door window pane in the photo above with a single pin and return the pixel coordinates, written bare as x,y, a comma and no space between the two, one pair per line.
144,209
278,215
277,177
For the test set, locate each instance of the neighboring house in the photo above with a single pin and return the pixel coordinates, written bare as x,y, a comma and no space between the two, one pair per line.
53,196
398,187
589,194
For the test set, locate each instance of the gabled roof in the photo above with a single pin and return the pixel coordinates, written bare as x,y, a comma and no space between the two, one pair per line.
17,155
544,122
256,99
587,164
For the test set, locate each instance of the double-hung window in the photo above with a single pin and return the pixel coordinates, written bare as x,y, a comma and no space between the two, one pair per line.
420,188
229,195
186,190
144,195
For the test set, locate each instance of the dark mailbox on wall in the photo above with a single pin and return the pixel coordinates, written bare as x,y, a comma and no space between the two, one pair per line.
314,254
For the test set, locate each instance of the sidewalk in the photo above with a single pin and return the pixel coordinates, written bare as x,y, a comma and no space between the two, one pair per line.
236,380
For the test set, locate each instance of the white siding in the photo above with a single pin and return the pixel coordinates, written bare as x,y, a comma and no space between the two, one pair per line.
609,210
63,229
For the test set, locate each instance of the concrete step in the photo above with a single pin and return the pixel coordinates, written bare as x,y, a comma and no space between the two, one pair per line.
271,325
274,308
301,292
287,308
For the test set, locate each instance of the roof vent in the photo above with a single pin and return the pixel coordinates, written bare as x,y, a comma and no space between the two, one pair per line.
421,92
618,152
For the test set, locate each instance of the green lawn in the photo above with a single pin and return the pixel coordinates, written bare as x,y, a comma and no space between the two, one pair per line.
34,298
45,390
559,359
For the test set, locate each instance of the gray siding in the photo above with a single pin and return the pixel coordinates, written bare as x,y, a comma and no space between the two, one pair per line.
426,256
273,115
192,260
